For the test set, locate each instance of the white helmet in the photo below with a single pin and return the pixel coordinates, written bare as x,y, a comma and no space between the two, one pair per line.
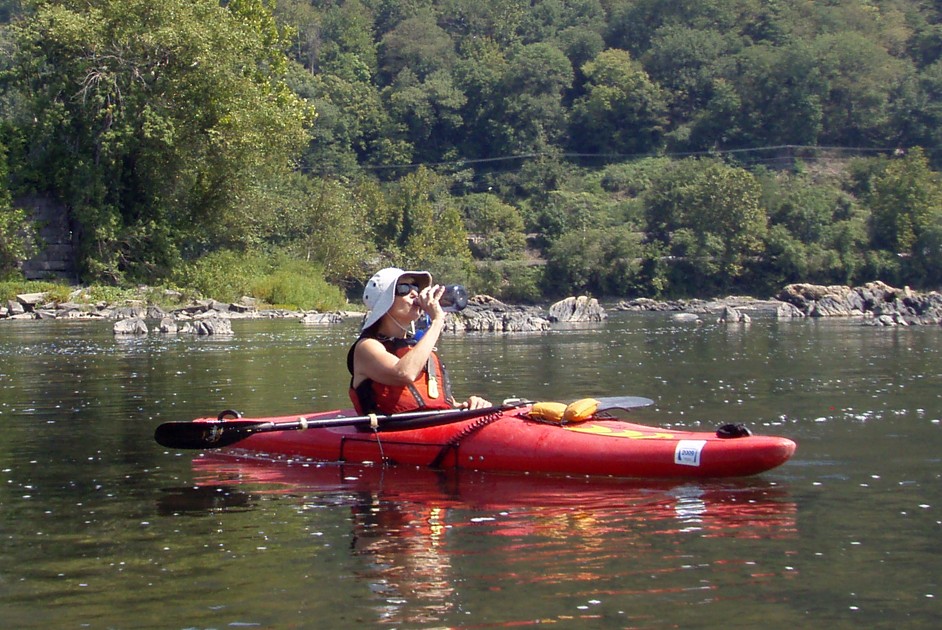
380,292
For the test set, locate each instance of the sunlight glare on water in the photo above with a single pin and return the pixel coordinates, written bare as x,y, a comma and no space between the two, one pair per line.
101,527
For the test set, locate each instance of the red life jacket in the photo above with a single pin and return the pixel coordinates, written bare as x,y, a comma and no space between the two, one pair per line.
431,390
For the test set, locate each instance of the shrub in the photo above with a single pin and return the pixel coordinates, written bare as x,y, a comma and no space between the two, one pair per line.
514,282
55,292
298,285
272,278
17,240
224,275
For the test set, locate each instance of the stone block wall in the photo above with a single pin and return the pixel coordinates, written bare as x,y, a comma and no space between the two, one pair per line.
57,255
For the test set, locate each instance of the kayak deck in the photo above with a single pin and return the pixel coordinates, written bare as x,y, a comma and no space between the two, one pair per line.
509,441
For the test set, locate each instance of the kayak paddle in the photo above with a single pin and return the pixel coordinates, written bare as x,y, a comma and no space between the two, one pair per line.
222,432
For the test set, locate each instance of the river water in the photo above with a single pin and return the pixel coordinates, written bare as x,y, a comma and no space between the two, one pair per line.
102,528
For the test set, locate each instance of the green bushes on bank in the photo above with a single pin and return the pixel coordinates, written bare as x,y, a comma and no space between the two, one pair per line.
277,280
56,292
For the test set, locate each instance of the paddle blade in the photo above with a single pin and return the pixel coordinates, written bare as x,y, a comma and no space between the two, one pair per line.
203,435
623,402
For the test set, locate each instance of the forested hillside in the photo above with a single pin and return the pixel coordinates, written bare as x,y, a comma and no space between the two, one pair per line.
529,148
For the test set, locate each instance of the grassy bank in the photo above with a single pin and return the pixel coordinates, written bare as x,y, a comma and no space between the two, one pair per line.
271,281
283,291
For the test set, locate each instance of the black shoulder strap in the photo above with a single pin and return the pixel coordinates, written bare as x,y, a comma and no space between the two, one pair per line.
350,355
391,344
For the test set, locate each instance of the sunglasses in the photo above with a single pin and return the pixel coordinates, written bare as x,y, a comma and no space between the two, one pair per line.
406,289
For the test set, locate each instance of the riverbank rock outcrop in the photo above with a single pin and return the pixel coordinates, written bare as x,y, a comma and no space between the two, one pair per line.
487,314
875,303
577,309
878,303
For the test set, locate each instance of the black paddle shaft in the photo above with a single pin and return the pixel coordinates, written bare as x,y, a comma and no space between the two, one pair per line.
219,433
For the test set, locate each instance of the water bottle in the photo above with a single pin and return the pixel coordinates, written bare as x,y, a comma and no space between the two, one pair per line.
454,299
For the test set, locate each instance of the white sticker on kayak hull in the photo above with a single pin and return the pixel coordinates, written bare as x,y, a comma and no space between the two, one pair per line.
687,452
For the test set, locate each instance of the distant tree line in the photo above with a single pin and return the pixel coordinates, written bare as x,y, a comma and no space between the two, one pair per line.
529,148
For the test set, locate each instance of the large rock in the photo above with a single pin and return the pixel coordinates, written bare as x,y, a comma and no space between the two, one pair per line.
242,307
642,305
879,303
318,319
130,326
731,315
218,326
487,314
14,307
816,300
130,312
577,309
784,310
167,326
30,300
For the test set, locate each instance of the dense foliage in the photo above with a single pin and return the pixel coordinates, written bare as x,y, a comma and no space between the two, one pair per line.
527,148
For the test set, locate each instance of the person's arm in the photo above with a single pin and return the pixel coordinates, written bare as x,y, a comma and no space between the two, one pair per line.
373,361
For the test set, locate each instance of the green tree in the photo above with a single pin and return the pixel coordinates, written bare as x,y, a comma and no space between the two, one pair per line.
546,19
417,44
927,257
17,233
478,73
348,29
623,111
905,205
160,125
354,126
780,93
531,113
494,20
390,13
686,62
716,125
633,26
496,228
581,45
569,211
861,77
708,216
432,234
307,24
325,222
429,112
817,232
322,33
510,281
918,111
605,262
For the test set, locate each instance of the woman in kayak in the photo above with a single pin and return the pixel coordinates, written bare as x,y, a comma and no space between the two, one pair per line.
392,370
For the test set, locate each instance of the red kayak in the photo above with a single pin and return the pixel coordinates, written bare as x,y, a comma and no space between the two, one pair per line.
508,440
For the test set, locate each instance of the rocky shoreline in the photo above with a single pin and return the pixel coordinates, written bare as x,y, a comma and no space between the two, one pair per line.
874,303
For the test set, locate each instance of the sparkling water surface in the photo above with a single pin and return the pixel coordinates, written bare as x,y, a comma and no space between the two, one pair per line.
100,527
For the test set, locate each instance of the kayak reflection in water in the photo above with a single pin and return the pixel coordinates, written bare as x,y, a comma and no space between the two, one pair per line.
393,370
